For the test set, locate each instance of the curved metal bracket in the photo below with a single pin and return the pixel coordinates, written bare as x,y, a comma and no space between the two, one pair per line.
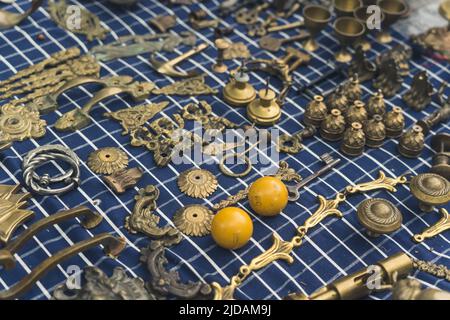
442,225
11,19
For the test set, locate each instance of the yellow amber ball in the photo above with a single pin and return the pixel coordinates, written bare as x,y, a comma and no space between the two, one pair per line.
268,196
231,228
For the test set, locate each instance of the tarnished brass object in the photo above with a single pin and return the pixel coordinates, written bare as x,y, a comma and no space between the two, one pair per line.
239,92
194,220
363,13
188,87
441,160
401,54
392,10
333,127
431,190
293,143
199,20
435,41
411,289
361,66
124,179
442,225
353,140
202,112
89,23
346,7
356,113
375,132
347,31
12,214
394,121
420,93
338,100
356,285
265,110
376,104
221,45
107,160
316,19
379,216
315,112
272,44
352,89
389,79
197,183
236,50
435,118
163,22
247,16
11,19
437,270
412,142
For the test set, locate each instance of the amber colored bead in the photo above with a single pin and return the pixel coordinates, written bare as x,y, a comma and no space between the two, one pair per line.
231,228
268,196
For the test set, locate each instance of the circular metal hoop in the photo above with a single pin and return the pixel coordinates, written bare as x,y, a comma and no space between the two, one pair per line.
226,171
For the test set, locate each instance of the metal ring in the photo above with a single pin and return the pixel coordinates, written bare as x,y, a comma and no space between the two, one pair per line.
230,173
41,156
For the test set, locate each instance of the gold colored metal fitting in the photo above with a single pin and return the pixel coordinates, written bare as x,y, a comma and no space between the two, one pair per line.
376,104
197,183
394,121
412,142
379,216
356,113
123,179
264,111
315,112
337,100
239,92
375,132
354,140
333,127
431,190
221,45
107,160
194,220
352,89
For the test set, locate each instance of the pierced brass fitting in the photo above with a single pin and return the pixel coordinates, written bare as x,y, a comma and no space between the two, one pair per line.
394,122
239,92
264,111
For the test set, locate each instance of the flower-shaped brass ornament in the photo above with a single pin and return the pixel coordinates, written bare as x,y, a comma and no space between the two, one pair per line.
107,160
194,220
412,142
354,140
356,113
197,183
333,127
394,122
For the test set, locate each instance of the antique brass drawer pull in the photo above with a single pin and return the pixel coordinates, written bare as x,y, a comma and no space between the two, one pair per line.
10,19
92,219
113,246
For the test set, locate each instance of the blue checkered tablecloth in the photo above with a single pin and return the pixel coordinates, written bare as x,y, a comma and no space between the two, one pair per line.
333,249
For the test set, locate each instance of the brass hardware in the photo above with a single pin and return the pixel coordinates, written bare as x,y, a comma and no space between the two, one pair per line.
193,220
444,9
333,127
272,44
163,22
356,113
316,19
434,118
352,89
439,271
167,68
412,142
375,132
12,214
221,45
238,155
239,92
363,14
107,160
420,93
376,104
389,80
442,225
394,121
434,41
401,55
354,140
441,160
431,190
356,285
201,112
113,246
382,182
361,66
287,26
135,117
198,20
236,50
121,180
197,183
411,289
293,143
265,110
346,8
392,10
347,30
338,100
144,220
10,19
189,87
89,26
5,146
379,216
247,16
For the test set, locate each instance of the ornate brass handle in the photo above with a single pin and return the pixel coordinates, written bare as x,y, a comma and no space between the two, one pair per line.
442,225
382,182
113,247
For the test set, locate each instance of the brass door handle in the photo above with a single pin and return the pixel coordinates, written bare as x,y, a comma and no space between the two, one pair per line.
11,19
113,247
91,220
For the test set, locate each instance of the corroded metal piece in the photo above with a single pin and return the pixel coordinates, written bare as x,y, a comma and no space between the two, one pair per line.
394,121
124,179
376,104
356,113
354,140
199,20
10,19
293,143
236,50
333,127
420,93
197,183
379,216
375,132
361,66
194,220
315,112
107,160
163,22
412,142
431,190
188,87
401,55
442,225
389,80
441,160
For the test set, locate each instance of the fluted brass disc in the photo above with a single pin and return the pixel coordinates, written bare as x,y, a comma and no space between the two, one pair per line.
197,183
107,160
194,220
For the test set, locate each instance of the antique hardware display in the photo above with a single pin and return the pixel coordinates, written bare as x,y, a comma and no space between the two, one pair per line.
389,79
439,271
394,121
42,184
356,113
77,119
11,19
193,220
376,104
411,289
441,160
442,225
434,41
89,25
98,286
354,140
379,216
144,220
163,22
316,18
401,55
355,285
236,50
274,44
188,87
412,142
221,45
112,247
333,127
281,249
12,214
264,110
420,93
238,91
202,112
197,183
352,89
292,144
124,179
431,190
375,132
348,30
361,66
167,67
107,160
199,20
392,11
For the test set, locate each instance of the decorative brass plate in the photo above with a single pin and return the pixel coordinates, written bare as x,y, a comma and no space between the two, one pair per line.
189,87
121,180
107,160
197,183
194,220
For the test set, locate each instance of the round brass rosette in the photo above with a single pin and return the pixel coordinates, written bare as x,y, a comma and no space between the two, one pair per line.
194,220
197,183
107,160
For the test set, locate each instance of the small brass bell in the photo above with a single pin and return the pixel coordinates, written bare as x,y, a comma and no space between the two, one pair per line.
352,89
333,127
354,140
264,111
412,142
375,132
394,121
356,113
239,92
315,112
337,100
431,190
376,104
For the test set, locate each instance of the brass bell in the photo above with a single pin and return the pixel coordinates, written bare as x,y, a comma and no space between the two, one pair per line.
431,190
337,100
315,112
352,89
354,140
441,160
379,216
412,142
394,121
356,113
375,132
264,111
376,104
239,92
333,127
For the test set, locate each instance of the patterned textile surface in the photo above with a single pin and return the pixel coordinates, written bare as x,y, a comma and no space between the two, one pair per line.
335,248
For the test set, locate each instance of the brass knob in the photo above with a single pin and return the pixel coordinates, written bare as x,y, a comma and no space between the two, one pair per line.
441,160
431,190
379,216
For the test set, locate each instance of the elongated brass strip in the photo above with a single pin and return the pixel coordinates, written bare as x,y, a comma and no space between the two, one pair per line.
113,247
92,219
442,225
